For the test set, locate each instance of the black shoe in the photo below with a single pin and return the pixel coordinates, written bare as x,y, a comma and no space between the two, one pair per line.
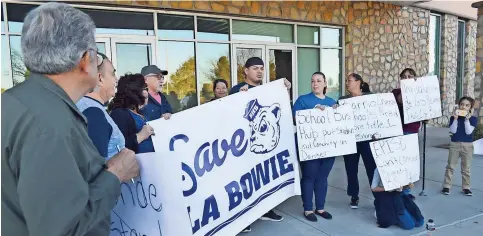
326,215
247,229
467,192
310,217
412,197
354,202
272,216
445,191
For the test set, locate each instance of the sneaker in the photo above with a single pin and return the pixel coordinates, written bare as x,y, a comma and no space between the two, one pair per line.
445,191
310,217
467,192
247,229
354,202
272,216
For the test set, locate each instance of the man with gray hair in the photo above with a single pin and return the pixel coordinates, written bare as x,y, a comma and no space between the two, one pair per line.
54,182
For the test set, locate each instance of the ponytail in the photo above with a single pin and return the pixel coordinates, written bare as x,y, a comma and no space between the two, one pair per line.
365,87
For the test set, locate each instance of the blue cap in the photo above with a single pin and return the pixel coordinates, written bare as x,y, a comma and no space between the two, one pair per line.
252,110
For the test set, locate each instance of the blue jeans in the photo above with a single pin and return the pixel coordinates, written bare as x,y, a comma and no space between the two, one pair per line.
351,162
408,222
314,180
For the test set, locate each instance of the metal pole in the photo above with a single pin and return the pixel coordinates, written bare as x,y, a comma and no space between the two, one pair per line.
422,193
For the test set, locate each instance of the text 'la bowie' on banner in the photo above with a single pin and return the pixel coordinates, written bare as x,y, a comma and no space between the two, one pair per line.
375,114
397,160
421,99
226,162
326,133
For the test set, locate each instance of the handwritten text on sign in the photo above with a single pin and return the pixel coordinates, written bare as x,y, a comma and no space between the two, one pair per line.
421,99
138,209
226,171
325,133
397,160
375,114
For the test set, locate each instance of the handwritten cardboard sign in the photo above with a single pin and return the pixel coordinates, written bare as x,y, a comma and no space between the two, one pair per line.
375,114
139,208
421,99
327,133
221,173
397,160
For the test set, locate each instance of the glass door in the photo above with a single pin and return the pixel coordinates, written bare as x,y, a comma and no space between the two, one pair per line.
131,55
281,61
240,54
104,46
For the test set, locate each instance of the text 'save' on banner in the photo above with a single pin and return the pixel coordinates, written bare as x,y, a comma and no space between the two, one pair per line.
220,166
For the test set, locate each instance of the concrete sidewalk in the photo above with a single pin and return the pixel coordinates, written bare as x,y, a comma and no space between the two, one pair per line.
455,214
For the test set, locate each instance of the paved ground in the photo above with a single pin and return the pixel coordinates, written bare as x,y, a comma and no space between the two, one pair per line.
455,214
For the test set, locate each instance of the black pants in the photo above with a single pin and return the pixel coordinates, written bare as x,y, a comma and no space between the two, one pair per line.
351,162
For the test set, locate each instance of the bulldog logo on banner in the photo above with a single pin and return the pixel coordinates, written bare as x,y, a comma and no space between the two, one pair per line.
264,126
220,166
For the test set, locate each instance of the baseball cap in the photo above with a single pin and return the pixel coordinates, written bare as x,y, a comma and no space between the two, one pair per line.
153,69
254,61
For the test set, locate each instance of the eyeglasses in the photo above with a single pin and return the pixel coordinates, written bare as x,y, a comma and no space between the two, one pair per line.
100,58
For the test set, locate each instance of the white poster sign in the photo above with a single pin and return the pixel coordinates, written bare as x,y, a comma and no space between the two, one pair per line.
397,160
421,99
326,133
223,164
375,114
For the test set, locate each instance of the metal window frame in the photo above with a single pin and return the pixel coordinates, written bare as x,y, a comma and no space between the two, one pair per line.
230,41
437,44
460,81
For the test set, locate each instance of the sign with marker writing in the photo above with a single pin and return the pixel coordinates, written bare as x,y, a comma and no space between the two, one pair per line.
374,114
230,165
326,133
421,99
139,209
397,160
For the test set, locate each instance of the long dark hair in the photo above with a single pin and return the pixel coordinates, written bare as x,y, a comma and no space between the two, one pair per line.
469,99
129,93
410,70
325,79
364,86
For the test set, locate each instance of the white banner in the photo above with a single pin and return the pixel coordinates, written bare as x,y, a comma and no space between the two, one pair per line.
421,99
326,133
397,160
222,165
375,114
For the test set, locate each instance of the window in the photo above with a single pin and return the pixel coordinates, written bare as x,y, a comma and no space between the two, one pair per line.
175,27
262,31
180,84
460,68
6,76
19,72
434,44
213,29
212,62
326,58
114,22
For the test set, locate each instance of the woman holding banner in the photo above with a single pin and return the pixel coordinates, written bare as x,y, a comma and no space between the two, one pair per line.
357,87
315,172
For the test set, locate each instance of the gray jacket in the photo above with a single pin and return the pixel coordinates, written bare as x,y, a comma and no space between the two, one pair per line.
54,181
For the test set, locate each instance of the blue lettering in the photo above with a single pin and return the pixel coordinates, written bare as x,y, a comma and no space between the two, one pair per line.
210,210
235,148
206,164
196,227
192,176
234,194
275,174
282,161
216,156
262,173
247,185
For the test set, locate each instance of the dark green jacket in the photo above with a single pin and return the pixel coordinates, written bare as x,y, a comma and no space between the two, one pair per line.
54,181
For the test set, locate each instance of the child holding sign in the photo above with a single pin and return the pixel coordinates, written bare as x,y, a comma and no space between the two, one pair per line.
394,207
315,172
461,125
